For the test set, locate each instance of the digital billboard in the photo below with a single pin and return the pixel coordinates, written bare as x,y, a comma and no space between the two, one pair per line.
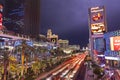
115,43
1,19
97,20
99,45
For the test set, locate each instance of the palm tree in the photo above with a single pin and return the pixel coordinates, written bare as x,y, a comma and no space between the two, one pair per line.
13,67
36,67
36,52
5,61
1,71
44,65
24,49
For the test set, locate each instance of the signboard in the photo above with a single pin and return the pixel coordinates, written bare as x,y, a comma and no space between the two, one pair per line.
1,19
54,40
115,43
97,20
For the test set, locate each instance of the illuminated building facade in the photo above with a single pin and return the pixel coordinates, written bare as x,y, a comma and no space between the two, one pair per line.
52,37
1,16
49,33
63,43
22,16
13,15
98,26
112,52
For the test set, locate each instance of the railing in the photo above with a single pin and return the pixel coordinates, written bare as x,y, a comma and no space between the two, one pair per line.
14,35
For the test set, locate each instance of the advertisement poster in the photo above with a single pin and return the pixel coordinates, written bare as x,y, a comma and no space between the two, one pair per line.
115,43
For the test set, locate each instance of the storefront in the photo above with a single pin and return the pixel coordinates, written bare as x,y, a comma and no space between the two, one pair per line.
112,51
113,61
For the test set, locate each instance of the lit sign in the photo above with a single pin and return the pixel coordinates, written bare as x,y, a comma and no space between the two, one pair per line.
97,20
97,28
54,40
97,17
112,58
1,19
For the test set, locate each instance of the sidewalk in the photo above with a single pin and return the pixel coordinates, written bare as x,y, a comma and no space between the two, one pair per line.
117,74
89,75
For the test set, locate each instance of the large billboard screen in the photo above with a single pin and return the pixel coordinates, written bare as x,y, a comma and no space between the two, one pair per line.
97,20
115,43
99,45
1,19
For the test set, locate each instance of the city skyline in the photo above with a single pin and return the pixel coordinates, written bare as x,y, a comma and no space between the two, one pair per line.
59,40
70,19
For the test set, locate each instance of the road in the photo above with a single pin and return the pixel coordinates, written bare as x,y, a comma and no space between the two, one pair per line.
67,70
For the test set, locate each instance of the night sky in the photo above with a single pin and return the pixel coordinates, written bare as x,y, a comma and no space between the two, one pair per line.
69,18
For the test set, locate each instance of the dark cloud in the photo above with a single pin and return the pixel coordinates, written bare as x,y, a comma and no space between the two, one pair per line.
69,18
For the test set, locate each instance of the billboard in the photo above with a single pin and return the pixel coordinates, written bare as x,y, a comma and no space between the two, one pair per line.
115,43
1,19
97,20
99,45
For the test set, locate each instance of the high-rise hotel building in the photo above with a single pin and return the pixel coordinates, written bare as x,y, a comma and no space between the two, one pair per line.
32,17
22,16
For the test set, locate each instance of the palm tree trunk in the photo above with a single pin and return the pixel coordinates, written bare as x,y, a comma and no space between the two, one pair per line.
22,60
26,66
5,70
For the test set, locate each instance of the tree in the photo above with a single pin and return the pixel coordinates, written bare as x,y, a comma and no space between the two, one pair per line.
24,48
99,72
30,74
5,61
36,67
